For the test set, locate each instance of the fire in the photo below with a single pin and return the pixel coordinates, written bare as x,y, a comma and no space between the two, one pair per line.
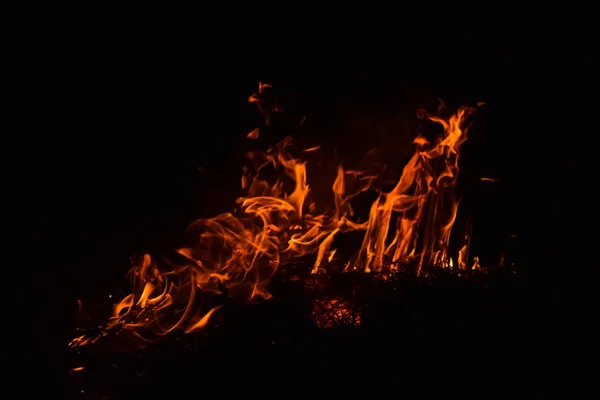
236,254
425,198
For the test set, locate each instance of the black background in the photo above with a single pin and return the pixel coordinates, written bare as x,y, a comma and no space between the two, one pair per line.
106,161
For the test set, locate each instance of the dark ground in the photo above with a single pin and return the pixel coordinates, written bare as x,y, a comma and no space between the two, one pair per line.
111,168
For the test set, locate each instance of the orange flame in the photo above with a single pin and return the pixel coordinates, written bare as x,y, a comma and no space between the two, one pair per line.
239,254
424,197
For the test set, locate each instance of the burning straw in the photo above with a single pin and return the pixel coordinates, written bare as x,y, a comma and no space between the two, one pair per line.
279,222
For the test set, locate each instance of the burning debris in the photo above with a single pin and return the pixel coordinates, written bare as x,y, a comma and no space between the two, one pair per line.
332,312
281,220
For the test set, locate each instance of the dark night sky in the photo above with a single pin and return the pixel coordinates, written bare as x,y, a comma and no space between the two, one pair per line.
108,165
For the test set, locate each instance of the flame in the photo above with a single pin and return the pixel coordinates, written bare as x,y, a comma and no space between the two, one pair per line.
255,132
237,254
424,199
266,102
484,179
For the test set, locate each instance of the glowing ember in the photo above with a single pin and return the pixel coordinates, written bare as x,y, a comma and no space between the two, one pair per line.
237,254
331,312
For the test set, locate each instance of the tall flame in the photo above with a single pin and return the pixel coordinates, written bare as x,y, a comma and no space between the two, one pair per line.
425,198
239,253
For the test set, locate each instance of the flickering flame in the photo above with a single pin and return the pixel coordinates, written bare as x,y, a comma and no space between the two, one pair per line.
484,179
238,253
255,132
